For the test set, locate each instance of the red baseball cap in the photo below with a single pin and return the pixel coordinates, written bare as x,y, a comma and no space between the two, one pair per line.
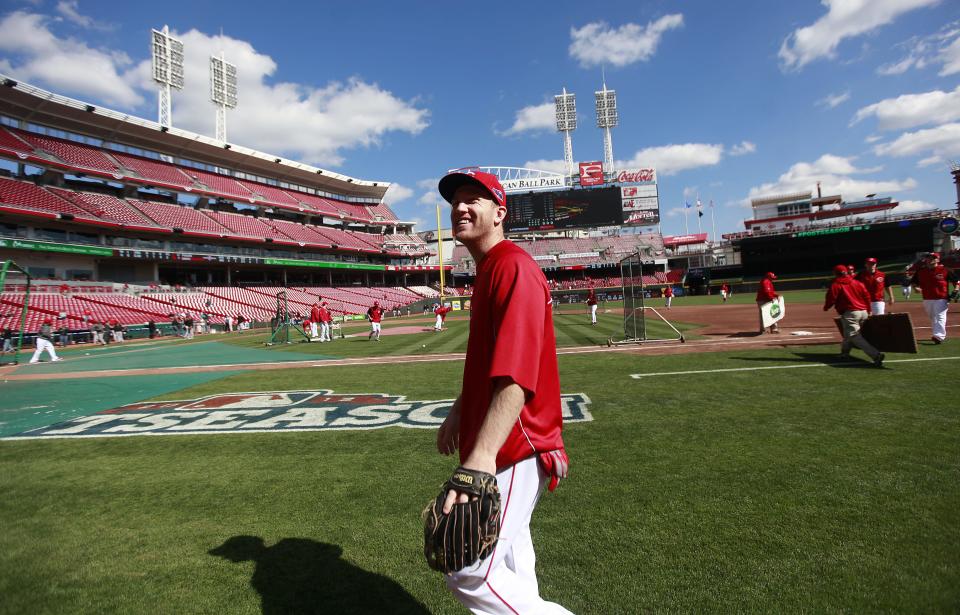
871,260
840,270
771,275
489,182
933,255
851,268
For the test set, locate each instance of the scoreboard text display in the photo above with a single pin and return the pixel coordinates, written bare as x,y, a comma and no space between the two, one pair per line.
562,209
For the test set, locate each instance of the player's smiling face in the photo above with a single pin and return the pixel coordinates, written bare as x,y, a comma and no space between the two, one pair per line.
473,214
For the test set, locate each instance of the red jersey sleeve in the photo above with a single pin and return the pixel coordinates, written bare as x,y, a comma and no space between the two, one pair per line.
521,299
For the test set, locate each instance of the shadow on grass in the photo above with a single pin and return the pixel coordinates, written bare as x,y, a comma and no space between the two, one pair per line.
813,357
302,576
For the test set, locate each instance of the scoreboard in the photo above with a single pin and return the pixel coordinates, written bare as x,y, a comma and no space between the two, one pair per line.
563,209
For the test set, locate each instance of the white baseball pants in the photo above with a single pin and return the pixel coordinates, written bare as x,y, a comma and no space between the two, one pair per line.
878,308
324,331
936,309
593,314
44,346
506,581
439,324
313,329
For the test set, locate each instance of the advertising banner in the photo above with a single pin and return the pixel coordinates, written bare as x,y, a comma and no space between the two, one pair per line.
591,173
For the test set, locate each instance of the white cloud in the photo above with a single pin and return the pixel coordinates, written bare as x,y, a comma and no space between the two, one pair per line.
834,100
70,10
556,166
906,207
690,192
844,19
305,122
68,65
429,193
672,159
397,193
950,56
872,138
911,110
836,176
744,147
941,47
534,117
942,143
597,44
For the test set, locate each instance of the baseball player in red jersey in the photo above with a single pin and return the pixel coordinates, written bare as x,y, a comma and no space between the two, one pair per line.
592,302
724,291
326,322
766,293
876,283
933,278
375,315
668,294
507,420
851,299
441,313
316,318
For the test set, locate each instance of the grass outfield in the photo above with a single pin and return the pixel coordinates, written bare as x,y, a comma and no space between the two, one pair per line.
825,488
571,329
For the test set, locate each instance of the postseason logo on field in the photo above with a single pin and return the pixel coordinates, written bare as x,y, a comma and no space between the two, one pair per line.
273,411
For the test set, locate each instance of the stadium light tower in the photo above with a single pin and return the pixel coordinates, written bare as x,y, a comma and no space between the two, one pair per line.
566,123
223,91
607,119
167,61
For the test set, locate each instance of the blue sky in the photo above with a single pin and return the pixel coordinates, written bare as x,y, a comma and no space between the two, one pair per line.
729,100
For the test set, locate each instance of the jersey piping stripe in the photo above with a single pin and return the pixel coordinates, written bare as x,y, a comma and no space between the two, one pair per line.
503,517
500,598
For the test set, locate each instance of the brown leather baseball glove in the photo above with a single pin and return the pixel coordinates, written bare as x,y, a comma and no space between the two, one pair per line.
469,532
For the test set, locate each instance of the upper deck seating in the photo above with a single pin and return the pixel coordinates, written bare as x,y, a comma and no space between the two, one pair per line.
247,226
10,141
30,196
269,193
178,216
220,184
106,207
75,155
152,170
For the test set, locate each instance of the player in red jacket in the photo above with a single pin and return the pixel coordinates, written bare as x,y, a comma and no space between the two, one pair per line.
765,294
375,315
326,322
316,318
592,303
668,296
725,291
852,301
933,279
441,313
876,283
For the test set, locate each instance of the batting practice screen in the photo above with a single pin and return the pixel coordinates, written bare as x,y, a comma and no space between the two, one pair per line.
562,209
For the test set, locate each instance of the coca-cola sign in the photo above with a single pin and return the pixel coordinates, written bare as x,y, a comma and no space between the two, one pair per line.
637,176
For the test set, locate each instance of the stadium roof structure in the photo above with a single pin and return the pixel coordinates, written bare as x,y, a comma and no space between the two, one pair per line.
28,103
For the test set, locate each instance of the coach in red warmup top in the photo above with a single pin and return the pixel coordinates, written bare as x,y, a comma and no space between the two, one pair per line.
932,278
852,301
767,293
508,418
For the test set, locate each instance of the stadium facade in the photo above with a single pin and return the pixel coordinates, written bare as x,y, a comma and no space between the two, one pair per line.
87,193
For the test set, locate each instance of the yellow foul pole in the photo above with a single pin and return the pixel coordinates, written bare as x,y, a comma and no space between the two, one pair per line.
440,253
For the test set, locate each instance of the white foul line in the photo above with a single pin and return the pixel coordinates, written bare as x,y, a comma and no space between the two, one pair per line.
795,366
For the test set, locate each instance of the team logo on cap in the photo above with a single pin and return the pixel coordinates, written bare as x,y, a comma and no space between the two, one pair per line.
497,193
